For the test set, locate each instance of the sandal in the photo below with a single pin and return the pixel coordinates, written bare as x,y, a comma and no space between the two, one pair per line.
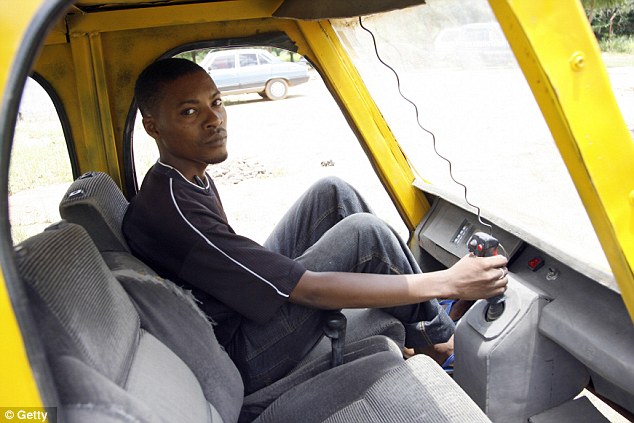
447,366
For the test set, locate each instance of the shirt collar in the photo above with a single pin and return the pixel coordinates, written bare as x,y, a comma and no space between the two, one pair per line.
207,183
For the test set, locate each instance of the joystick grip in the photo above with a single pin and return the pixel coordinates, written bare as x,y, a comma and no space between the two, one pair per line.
485,245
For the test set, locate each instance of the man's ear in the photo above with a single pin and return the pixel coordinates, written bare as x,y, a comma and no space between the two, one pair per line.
149,123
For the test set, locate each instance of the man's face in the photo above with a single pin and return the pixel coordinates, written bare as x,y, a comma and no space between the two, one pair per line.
189,124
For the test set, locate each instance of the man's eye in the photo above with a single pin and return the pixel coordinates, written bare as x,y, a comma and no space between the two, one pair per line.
217,102
188,112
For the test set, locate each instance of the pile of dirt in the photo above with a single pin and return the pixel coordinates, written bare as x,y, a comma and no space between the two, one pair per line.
238,170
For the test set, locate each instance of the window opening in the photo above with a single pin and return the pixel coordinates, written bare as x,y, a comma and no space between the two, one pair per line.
40,169
277,149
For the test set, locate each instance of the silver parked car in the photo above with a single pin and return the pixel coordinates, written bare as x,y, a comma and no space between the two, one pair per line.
242,71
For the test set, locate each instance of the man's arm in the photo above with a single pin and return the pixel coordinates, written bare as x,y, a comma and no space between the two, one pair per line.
471,278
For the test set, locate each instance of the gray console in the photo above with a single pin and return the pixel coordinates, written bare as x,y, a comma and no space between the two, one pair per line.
559,329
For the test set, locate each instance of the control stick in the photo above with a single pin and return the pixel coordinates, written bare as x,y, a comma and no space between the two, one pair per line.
484,245
335,329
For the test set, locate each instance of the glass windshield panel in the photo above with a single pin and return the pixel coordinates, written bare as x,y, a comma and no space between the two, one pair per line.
475,108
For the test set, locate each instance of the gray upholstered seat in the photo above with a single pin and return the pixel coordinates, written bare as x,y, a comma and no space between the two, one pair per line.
108,362
141,350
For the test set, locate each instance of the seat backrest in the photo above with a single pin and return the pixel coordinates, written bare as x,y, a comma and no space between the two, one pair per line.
111,357
95,202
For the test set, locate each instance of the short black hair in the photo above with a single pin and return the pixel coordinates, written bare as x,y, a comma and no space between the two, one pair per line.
150,83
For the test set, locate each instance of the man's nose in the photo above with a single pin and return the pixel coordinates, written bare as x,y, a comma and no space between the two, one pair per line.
215,118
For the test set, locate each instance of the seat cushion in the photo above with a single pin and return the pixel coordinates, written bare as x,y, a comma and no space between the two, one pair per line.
377,388
255,403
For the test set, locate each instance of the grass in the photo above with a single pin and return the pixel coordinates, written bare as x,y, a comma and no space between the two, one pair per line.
618,44
39,157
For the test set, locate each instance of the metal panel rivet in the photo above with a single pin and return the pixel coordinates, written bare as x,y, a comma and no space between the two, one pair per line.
577,61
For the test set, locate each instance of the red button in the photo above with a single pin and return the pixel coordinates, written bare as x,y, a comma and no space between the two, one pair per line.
535,263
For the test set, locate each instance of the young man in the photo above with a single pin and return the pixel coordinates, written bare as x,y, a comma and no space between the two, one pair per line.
328,252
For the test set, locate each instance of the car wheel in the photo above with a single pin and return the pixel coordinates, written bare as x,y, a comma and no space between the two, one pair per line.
276,89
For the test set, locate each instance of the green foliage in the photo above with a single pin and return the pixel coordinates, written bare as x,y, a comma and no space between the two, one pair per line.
610,17
194,55
618,44
602,4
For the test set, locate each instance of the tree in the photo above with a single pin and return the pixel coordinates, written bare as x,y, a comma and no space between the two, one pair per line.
593,5
611,16
193,55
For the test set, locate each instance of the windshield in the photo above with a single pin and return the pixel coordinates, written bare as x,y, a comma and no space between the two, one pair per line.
474,104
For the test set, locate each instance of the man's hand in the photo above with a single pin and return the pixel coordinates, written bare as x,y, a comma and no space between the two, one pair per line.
474,277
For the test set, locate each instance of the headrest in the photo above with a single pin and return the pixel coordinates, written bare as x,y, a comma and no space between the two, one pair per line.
95,202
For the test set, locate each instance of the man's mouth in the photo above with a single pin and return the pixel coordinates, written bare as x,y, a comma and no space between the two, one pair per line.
219,138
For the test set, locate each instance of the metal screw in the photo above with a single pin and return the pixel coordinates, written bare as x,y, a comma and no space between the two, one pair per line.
553,273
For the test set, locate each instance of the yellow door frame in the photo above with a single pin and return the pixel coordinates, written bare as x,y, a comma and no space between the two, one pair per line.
18,387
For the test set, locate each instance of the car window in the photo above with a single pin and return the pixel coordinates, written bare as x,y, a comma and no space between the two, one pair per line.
263,59
248,60
40,168
223,62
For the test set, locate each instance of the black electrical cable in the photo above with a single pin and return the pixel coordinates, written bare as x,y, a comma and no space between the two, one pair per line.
433,136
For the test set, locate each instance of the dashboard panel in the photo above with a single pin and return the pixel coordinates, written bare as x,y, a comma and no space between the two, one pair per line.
580,315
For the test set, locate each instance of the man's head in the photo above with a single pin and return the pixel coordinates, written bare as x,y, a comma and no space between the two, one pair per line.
182,110
149,85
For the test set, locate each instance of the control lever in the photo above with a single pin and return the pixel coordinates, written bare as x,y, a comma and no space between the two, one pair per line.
335,329
484,245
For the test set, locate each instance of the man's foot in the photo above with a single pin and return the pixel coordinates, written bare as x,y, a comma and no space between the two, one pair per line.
439,352
459,308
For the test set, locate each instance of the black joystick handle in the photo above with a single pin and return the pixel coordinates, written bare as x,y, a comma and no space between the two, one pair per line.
484,245
335,329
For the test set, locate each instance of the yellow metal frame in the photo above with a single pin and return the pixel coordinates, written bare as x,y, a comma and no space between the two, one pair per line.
572,88
14,364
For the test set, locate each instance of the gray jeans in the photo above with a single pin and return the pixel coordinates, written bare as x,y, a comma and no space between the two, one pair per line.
330,228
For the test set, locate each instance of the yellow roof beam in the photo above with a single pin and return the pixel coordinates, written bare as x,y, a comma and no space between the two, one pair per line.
170,15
